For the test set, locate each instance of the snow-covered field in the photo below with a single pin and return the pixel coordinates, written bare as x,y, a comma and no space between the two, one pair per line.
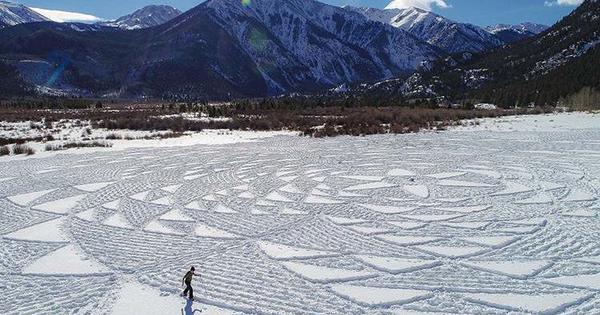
545,122
70,131
457,222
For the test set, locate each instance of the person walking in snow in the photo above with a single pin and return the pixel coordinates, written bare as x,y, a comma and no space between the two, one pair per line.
187,280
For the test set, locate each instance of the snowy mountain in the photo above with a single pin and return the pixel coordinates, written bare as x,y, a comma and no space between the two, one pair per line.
222,49
448,35
553,64
325,44
546,69
556,66
13,14
526,27
514,33
148,16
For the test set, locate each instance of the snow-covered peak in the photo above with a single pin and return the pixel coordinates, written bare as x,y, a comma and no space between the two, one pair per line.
533,27
413,17
446,34
522,28
13,14
383,16
401,18
145,17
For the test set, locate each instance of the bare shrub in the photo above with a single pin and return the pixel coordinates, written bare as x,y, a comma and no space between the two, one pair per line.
113,136
19,149
54,147
75,145
93,144
6,141
348,116
4,150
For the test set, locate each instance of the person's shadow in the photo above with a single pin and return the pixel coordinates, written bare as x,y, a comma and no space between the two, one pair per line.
187,310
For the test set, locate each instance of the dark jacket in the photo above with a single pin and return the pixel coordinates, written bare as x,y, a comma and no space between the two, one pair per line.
188,276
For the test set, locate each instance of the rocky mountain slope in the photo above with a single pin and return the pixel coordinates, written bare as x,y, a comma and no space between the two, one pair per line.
13,14
448,35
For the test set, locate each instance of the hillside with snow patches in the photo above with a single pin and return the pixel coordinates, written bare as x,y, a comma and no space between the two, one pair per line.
496,218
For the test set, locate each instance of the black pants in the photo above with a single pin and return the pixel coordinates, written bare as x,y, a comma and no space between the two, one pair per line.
188,287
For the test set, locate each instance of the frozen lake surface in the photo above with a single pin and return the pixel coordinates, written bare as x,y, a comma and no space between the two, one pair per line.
472,221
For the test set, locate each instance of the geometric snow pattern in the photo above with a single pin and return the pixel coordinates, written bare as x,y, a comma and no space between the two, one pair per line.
456,222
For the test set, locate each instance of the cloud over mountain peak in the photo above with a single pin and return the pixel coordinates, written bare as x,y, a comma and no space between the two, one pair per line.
65,16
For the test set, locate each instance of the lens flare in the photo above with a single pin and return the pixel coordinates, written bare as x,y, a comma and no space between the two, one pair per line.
56,74
246,3
61,61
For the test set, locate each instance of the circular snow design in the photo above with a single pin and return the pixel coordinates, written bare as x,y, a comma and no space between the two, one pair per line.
451,223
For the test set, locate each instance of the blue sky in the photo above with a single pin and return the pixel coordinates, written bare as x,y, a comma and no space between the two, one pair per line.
480,12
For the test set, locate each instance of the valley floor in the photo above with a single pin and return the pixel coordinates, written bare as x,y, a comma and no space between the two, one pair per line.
472,221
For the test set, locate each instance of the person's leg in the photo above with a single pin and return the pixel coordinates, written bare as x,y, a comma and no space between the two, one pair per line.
191,292
187,288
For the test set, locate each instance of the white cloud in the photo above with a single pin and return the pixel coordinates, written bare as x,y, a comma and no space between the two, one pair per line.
422,4
563,2
64,16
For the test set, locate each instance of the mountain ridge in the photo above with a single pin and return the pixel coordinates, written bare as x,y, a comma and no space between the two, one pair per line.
448,35
525,27
148,16
510,33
